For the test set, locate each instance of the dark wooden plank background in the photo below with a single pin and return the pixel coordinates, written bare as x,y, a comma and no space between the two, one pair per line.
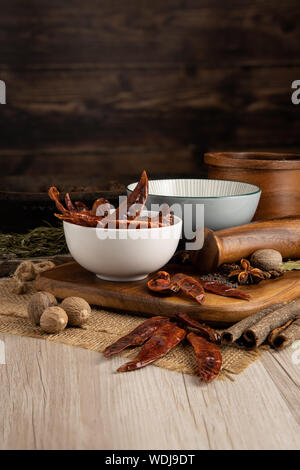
105,88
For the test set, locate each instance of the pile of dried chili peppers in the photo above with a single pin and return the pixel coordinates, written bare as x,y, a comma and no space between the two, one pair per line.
102,215
159,335
163,283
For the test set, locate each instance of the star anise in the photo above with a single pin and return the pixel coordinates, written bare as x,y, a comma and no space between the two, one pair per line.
247,274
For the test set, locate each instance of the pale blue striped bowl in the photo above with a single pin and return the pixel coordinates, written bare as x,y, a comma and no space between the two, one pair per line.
225,203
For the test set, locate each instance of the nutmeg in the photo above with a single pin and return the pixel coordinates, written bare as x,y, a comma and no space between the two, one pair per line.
53,320
38,303
77,309
267,259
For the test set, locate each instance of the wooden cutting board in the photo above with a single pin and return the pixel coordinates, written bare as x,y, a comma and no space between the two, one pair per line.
72,280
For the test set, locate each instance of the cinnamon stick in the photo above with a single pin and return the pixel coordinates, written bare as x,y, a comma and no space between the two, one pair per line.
288,336
257,333
276,332
233,333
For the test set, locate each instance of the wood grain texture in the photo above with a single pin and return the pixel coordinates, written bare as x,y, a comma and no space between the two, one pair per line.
83,164
86,81
57,397
209,32
287,362
70,279
208,108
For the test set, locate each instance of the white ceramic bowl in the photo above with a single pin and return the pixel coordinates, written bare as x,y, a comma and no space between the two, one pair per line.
225,203
122,254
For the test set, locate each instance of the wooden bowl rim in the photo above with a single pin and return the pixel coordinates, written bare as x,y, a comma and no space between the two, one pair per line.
257,160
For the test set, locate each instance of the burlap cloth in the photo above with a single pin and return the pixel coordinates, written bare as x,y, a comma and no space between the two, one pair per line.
102,329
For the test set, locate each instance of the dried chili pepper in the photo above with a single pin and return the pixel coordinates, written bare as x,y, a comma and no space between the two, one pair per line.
136,337
80,218
101,207
69,203
71,215
203,330
163,340
137,199
189,286
160,282
165,216
133,224
209,357
154,221
54,195
223,289
81,206
86,219
133,204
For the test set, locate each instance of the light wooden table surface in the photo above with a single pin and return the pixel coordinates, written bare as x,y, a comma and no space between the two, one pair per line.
60,397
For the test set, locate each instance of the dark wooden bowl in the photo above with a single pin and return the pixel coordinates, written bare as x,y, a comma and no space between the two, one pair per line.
277,174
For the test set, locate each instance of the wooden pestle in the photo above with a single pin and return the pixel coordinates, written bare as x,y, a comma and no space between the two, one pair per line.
232,244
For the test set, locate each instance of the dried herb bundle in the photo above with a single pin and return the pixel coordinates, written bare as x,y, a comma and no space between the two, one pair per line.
41,241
